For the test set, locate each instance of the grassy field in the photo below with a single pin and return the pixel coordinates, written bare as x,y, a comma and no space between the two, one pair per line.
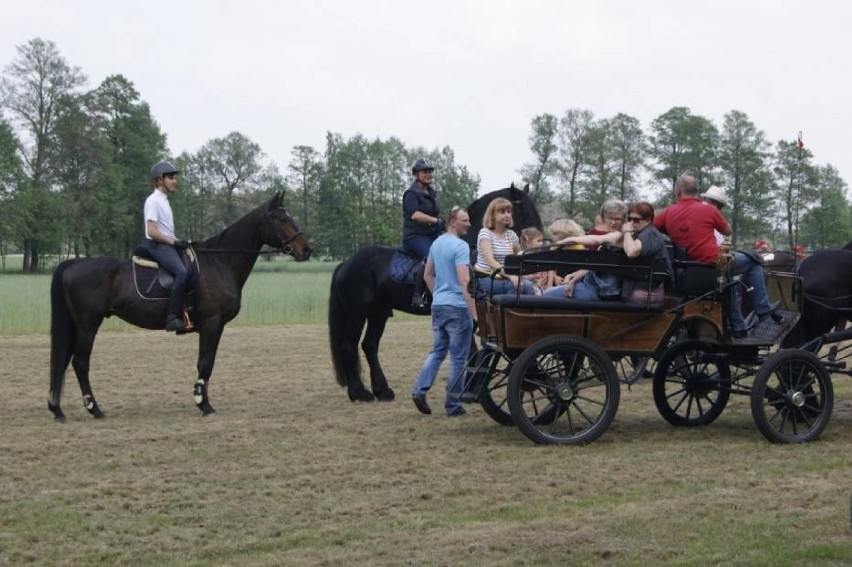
278,292
289,472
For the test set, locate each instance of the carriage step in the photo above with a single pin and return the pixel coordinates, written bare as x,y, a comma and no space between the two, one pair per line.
769,332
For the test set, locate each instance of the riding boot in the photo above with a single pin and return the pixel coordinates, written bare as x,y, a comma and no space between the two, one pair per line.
418,299
174,317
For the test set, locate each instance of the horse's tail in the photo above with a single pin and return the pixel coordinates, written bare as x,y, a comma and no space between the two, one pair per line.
62,333
344,352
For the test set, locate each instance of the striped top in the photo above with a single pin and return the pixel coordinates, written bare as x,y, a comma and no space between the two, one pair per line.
500,247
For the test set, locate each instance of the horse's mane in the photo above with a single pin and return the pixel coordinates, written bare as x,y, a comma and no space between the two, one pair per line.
221,240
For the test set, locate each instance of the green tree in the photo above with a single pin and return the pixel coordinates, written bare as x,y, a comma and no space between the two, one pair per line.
829,223
305,171
135,144
11,178
81,168
629,151
743,162
543,143
598,175
573,146
33,88
796,180
682,142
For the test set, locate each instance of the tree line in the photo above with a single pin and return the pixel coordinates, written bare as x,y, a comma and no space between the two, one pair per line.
74,168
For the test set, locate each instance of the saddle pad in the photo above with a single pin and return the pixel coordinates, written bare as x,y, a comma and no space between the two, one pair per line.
146,280
403,268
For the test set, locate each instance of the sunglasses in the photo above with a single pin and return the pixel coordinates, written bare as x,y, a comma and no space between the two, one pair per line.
635,219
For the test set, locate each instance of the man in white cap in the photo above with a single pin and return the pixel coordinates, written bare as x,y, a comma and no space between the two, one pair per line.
717,197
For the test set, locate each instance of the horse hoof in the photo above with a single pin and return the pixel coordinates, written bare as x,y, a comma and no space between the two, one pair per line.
57,412
362,396
97,413
206,409
386,396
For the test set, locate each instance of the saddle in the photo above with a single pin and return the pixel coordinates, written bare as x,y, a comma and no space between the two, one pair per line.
404,267
153,282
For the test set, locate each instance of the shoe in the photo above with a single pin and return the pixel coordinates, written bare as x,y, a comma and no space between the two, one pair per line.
420,403
458,413
176,324
739,333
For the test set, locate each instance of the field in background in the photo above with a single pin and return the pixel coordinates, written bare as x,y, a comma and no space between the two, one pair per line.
278,292
289,472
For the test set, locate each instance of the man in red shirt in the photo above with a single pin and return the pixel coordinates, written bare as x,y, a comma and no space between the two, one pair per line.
690,224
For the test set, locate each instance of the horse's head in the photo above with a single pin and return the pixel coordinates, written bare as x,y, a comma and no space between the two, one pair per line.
282,233
524,212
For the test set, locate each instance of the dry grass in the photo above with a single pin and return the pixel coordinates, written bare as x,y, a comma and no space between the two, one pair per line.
290,472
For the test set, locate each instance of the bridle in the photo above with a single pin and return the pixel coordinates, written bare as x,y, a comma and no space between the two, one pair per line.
285,244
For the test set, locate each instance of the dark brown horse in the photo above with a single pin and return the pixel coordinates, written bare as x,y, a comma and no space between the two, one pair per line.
85,291
363,293
826,294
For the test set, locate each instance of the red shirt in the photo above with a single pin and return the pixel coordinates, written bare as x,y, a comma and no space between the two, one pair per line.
690,224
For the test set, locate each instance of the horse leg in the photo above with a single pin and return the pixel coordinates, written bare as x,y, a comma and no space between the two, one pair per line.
53,403
208,344
80,361
375,328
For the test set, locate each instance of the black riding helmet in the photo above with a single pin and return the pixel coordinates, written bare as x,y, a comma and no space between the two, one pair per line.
163,168
422,164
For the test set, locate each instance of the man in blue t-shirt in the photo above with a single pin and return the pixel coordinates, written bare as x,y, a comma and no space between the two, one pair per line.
453,312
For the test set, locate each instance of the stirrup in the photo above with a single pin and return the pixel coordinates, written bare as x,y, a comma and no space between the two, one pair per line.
188,327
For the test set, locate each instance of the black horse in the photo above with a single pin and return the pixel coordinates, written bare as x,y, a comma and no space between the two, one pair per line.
363,292
826,294
85,291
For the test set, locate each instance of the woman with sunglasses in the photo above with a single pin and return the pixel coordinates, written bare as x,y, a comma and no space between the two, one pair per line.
639,238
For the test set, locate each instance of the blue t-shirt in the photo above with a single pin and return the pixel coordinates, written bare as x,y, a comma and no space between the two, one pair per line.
447,252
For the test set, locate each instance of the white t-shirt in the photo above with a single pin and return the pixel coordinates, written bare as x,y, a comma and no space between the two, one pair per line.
500,247
158,209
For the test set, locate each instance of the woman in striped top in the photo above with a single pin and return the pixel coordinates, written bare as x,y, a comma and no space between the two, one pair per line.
495,241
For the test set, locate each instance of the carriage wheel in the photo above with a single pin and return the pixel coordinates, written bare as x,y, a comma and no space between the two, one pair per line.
692,384
564,390
792,397
493,397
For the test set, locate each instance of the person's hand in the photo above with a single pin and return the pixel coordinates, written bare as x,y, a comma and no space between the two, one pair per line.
440,226
182,244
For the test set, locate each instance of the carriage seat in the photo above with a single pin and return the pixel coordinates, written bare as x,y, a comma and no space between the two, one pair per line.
690,278
570,304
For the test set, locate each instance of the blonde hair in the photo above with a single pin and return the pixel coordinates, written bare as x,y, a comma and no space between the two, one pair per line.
528,235
566,227
498,205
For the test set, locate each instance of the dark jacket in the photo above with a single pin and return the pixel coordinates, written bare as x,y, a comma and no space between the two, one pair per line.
415,200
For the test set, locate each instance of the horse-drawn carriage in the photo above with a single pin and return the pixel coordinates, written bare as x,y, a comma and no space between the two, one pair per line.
554,366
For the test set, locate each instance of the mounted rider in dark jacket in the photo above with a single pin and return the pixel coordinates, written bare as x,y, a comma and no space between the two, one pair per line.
421,220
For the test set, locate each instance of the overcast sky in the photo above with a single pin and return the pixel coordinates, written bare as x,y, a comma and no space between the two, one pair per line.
470,75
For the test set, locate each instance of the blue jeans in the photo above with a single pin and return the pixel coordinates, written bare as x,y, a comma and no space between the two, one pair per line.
504,286
592,287
452,328
752,275
169,259
419,245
